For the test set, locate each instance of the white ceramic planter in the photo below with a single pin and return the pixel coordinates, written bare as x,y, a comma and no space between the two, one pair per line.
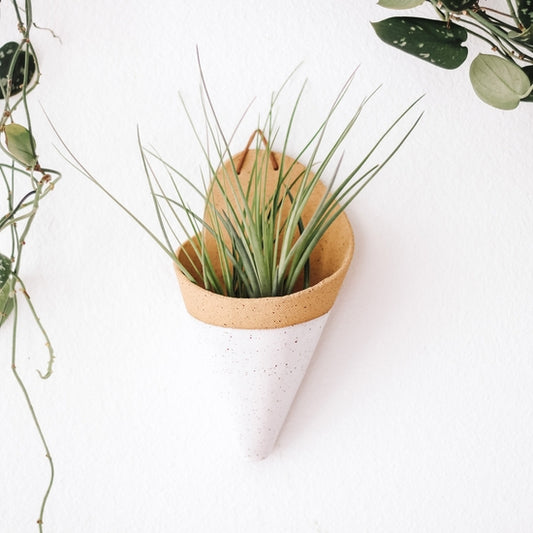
259,348
258,373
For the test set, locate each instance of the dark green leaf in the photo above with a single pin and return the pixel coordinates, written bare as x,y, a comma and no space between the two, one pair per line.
498,81
434,41
459,5
5,269
525,12
6,298
7,56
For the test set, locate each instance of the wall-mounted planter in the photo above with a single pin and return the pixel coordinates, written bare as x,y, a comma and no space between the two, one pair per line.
261,347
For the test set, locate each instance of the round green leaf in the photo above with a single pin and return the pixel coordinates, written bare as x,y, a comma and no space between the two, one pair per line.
20,144
7,54
400,4
434,41
499,82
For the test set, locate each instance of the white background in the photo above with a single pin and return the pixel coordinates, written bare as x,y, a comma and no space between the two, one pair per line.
416,413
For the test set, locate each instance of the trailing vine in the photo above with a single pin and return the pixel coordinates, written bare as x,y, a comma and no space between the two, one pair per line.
27,184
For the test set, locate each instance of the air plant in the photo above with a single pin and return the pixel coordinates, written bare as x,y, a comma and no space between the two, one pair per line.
262,244
27,184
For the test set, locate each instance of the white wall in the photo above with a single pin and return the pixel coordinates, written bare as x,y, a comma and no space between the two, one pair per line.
416,414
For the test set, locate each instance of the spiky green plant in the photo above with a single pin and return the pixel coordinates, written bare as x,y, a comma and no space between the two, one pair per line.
26,183
262,244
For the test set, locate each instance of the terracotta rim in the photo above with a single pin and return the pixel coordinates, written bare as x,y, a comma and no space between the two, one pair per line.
335,248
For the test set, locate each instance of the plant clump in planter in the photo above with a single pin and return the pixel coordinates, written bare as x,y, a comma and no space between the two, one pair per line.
261,265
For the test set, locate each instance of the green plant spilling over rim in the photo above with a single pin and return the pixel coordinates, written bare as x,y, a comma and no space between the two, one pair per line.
27,183
263,247
503,79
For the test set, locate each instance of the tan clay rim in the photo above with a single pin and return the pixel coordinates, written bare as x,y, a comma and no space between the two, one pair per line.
329,263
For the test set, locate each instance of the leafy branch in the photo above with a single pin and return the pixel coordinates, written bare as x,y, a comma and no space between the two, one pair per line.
502,78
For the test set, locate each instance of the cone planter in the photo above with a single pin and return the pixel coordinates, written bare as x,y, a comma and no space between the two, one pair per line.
261,347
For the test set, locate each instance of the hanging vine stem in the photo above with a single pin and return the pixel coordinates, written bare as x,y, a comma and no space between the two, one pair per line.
21,77
29,403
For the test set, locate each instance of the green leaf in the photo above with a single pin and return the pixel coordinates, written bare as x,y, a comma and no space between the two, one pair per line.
20,144
7,54
6,296
525,36
525,12
459,5
400,4
498,81
5,269
434,41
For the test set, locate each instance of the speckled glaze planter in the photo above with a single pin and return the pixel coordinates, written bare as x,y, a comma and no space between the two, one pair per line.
257,373
262,347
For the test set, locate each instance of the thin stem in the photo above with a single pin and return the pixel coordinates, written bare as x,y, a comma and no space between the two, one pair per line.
484,21
33,414
48,344
514,14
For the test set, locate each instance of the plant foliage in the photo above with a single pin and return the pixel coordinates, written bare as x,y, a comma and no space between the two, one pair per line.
499,78
26,184
263,246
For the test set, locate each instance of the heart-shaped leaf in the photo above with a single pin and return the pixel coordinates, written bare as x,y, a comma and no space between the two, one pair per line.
498,81
525,12
6,296
459,5
434,41
20,144
400,4
7,55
